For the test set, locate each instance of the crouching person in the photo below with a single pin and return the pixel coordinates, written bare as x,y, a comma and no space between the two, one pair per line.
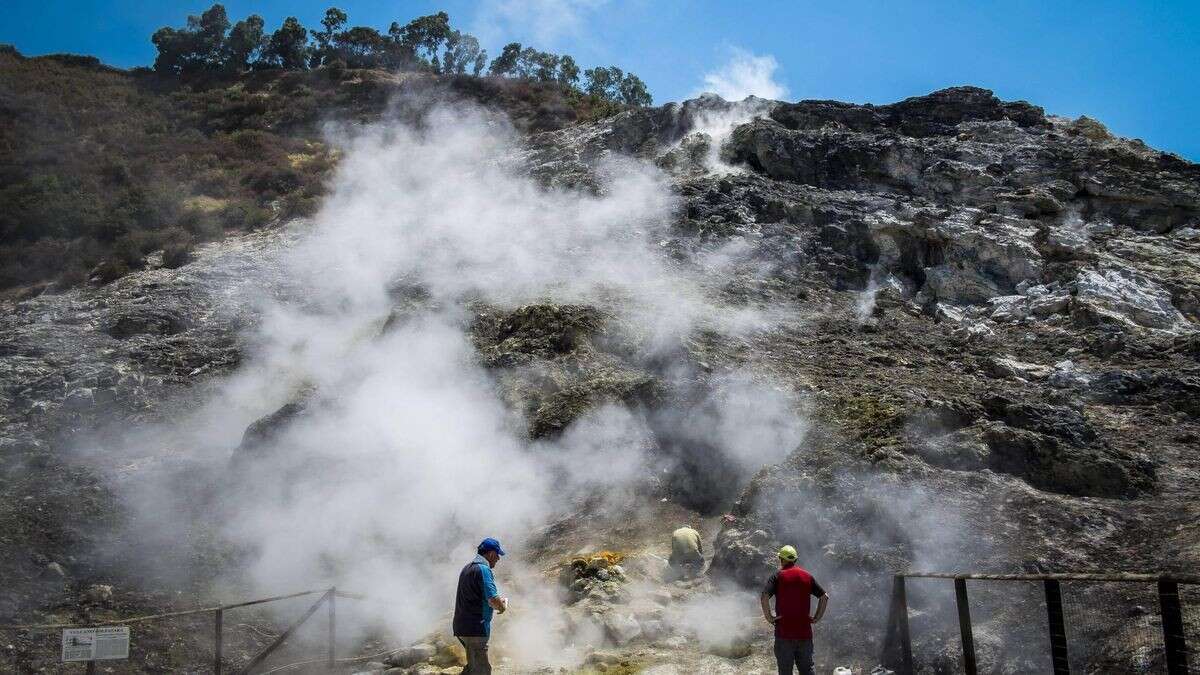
687,553
792,587
474,604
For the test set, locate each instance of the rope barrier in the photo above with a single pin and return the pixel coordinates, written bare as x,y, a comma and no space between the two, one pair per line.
351,659
135,619
166,615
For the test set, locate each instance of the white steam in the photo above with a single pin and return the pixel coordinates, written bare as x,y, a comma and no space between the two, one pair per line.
745,74
443,208
718,620
719,124
864,304
755,427
747,81
405,455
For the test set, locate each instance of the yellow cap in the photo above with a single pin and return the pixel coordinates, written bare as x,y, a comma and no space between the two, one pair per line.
787,553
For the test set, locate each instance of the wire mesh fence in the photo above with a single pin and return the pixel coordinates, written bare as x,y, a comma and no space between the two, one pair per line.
931,615
1189,599
1079,623
1009,626
1113,627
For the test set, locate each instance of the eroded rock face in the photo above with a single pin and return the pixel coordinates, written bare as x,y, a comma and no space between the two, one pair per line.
556,362
532,331
269,428
1114,295
1050,452
966,143
1013,190
148,321
95,358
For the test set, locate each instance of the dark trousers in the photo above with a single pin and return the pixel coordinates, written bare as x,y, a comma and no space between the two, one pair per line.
477,656
792,654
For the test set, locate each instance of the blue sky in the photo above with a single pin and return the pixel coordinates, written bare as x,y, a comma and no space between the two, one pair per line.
1133,65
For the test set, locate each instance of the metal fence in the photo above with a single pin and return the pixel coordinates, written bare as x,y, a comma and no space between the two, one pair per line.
216,619
1160,639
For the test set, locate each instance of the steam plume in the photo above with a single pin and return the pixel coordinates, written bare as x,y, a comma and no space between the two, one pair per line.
405,454
745,74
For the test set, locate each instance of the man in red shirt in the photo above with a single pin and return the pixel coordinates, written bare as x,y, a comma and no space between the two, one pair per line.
792,586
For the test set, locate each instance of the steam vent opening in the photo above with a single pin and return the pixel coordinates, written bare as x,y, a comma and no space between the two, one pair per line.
363,344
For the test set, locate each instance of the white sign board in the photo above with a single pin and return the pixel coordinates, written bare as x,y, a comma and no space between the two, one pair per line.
95,644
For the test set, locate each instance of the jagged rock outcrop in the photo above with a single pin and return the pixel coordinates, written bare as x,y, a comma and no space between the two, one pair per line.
1115,295
268,429
966,145
1010,191
555,363
543,331
1051,447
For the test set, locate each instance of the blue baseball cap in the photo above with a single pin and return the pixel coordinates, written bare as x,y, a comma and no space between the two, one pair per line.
490,544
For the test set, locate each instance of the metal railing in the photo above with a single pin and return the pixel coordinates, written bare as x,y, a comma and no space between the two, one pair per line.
898,642
328,598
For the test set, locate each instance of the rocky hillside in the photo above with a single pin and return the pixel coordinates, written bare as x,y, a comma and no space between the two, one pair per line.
999,337
986,314
101,166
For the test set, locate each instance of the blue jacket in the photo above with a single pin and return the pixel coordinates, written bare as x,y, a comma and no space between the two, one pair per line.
472,613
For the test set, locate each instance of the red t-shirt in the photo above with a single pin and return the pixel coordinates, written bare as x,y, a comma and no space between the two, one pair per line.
792,586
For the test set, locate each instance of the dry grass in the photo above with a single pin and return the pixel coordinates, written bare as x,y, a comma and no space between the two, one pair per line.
99,166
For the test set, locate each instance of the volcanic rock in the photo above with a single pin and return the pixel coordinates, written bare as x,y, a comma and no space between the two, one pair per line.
621,628
412,655
1123,297
267,429
146,320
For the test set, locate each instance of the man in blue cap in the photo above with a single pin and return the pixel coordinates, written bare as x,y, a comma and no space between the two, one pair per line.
474,604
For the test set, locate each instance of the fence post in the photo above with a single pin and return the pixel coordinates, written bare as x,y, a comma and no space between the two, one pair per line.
332,626
1058,629
218,636
897,645
964,627
1172,624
